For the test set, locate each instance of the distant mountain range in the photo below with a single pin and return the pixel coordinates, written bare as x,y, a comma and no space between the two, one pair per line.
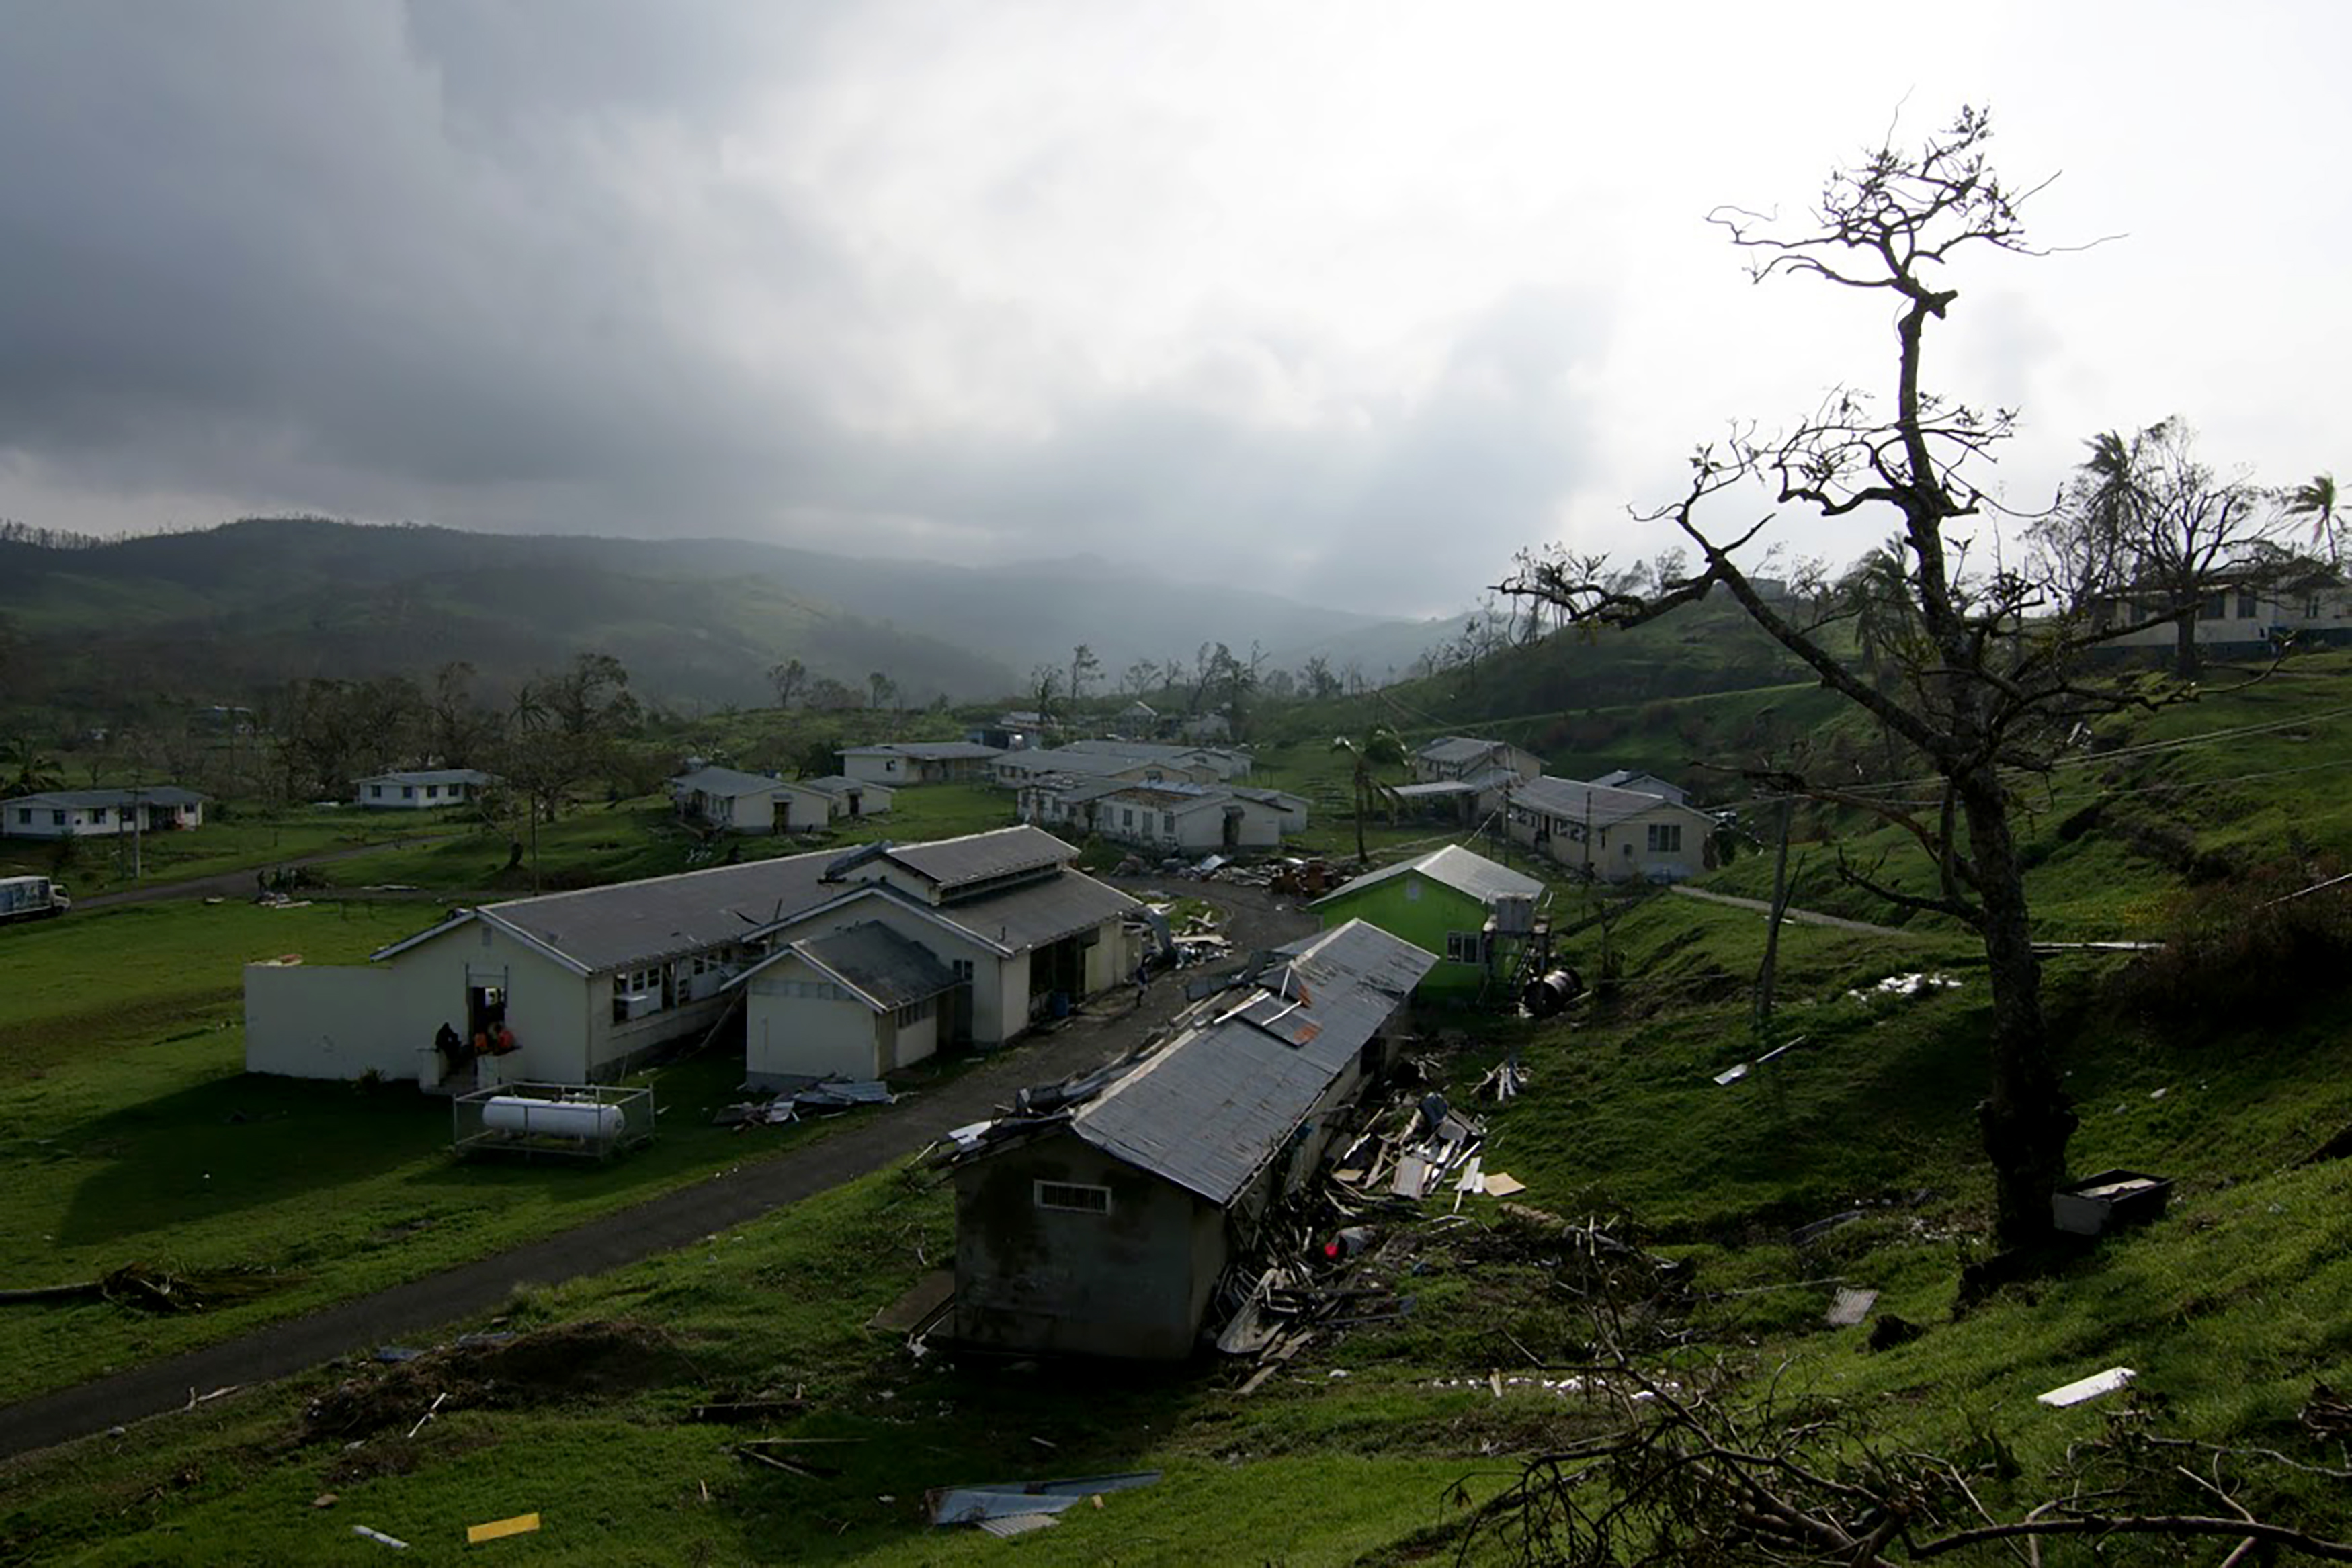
214,614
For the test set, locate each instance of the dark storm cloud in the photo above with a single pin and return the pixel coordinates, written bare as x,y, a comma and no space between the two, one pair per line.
456,263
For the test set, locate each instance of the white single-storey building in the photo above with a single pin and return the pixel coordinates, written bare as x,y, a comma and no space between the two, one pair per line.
858,1002
852,796
919,762
1617,835
421,789
1021,769
2247,616
738,802
1169,816
85,813
1225,763
1463,756
590,981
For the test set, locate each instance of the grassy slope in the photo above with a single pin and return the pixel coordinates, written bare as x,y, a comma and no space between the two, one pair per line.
243,841
2229,1308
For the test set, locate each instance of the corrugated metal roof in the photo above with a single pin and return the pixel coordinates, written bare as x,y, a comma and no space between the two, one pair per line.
1212,1106
430,776
842,784
1631,778
1208,1110
1149,750
1571,800
888,970
1457,748
1464,871
980,857
728,781
925,750
638,922
82,799
1041,912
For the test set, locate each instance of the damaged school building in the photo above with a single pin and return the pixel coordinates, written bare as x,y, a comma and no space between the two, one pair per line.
1097,1219
838,963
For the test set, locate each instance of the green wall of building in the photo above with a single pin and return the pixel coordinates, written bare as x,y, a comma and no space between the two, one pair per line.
1423,911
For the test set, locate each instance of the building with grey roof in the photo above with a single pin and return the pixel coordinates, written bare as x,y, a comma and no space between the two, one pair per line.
1616,835
729,800
105,813
1461,756
1102,1229
901,762
420,789
588,981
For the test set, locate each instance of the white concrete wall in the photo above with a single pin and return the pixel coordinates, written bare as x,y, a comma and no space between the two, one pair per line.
917,1042
789,1037
84,822
334,1021
991,1021
877,769
801,810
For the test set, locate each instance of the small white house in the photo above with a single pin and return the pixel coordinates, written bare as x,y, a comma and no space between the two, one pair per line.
858,1002
736,802
851,797
1171,817
104,813
421,789
1458,757
919,762
1616,835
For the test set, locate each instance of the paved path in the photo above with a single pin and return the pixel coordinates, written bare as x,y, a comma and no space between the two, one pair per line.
239,884
1802,917
674,1219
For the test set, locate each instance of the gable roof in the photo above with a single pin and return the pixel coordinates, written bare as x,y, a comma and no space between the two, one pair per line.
887,971
842,784
951,863
728,781
1600,804
925,750
427,776
1459,749
1631,778
82,799
1212,1106
1464,871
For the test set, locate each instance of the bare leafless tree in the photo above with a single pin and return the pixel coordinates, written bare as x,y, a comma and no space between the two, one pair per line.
1982,667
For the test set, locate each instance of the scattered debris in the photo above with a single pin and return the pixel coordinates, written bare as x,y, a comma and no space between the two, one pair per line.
2086,1388
515,1372
380,1538
1912,985
430,1411
1849,1306
325,1499
1021,1523
153,1290
826,1097
1019,1500
1502,1184
734,1411
920,1307
1739,1071
499,1529
2099,1203
2326,1415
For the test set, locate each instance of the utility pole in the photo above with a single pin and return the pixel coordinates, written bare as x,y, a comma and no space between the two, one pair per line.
1765,976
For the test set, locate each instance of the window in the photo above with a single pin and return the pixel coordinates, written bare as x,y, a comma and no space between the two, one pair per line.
1462,947
408,791
1073,1198
1168,824
432,791
1126,816
914,1012
57,819
962,968
1665,838
25,815
2216,606
375,791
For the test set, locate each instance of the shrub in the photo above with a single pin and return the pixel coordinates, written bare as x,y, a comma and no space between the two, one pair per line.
2247,950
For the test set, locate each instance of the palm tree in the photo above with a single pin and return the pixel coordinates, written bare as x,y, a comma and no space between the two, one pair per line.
2317,501
30,770
1381,747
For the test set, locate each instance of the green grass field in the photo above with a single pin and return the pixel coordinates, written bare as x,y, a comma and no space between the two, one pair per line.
240,841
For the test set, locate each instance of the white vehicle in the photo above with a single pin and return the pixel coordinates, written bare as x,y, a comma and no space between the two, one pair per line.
31,898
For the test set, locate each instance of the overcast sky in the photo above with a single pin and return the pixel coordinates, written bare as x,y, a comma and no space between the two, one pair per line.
1350,300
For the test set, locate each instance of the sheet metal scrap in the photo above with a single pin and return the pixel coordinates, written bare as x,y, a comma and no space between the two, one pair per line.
1019,1500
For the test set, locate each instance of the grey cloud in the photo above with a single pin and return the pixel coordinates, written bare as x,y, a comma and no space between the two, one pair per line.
387,261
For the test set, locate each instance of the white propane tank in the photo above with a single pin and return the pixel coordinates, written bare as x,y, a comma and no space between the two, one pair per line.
551,1118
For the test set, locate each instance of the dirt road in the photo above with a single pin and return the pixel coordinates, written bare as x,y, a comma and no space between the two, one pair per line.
729,1198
